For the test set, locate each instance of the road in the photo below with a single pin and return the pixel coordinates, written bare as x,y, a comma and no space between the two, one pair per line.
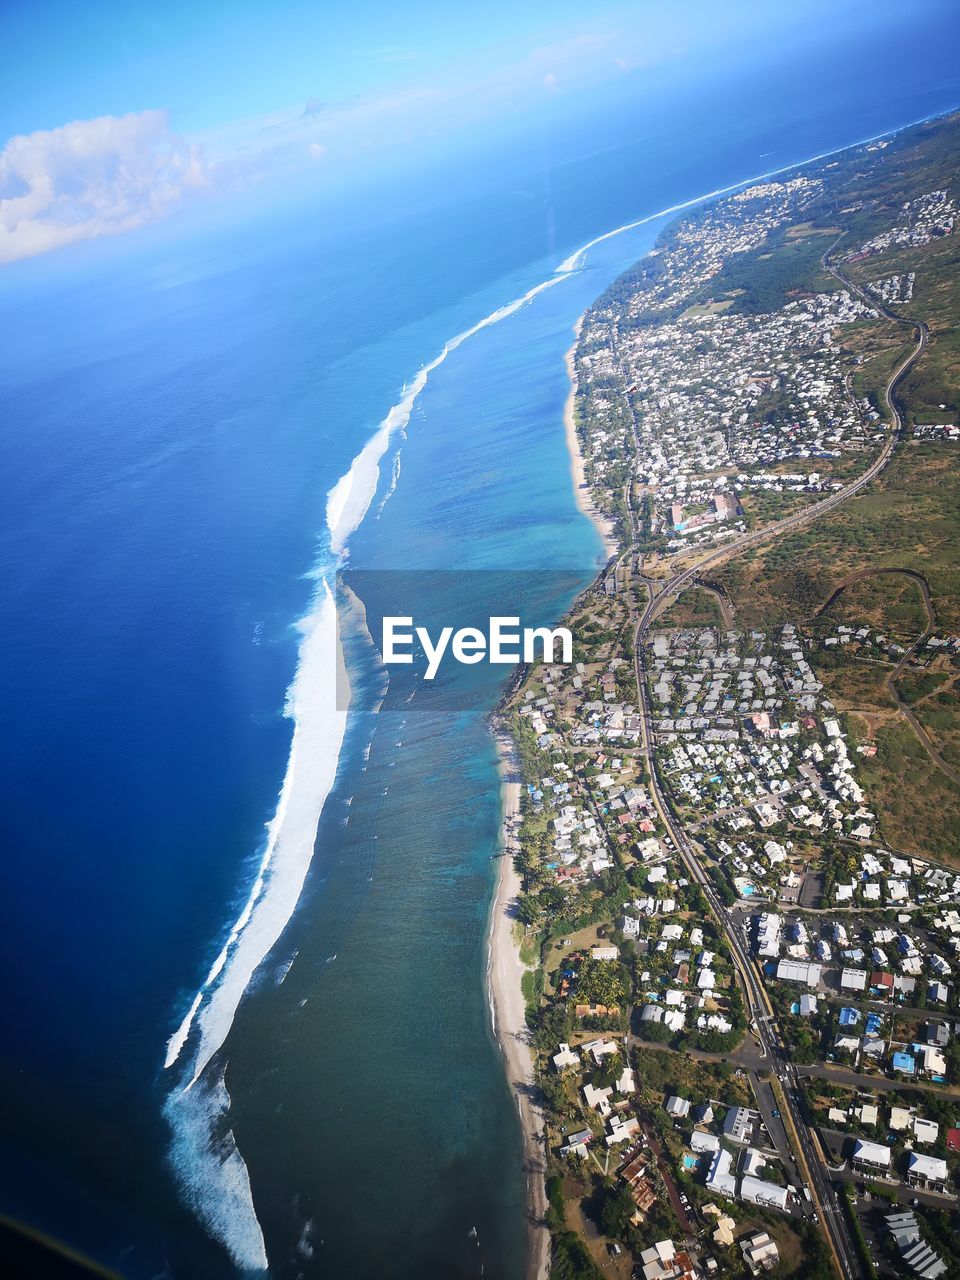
671,1187
845,1254
768,1105
891,681
846,1076
844,1250
921,733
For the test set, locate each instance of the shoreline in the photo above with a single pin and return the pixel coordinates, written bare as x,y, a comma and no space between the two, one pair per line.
581,493
505,968
505,971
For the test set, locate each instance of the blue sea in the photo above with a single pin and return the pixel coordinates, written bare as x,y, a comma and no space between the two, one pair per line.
245,1022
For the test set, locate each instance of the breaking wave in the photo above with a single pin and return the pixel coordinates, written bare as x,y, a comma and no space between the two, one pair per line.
209,1168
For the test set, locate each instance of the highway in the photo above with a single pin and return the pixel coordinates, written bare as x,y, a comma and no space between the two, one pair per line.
831,1214
762,1024
672,587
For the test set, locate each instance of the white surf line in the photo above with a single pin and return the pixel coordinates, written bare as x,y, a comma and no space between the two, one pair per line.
319,727
350,498
573,261
219,1189
348,502
318,735
210,1169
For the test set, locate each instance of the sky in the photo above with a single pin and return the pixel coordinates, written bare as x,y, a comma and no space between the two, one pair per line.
115,115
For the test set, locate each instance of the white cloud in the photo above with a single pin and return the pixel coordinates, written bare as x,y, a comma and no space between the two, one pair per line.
92,178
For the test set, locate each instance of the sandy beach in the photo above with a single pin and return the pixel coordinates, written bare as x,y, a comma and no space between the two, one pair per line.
504,973
505,968
581,492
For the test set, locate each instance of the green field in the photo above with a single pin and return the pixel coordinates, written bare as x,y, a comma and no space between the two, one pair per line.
694,608
919,807
908,519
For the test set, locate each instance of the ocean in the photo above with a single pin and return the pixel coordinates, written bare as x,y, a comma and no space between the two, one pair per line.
245,1021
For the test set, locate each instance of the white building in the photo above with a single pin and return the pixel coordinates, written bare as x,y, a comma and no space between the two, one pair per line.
565,1058
853,980
759,1252
926,1171
700,1142
799,971
736,1124
872,1154
767,1194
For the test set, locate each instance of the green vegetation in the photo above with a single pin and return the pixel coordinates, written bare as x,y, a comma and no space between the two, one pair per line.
761,507
849,1206
570,1258
857,684
912,686
939,714
602,982
890,602
696,607
908,519
919,807
821,577
763,281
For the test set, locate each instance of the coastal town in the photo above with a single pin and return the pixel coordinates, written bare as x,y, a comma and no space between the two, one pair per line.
741,978
481,640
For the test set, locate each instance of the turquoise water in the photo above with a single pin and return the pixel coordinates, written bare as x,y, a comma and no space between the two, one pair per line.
178,407
421,899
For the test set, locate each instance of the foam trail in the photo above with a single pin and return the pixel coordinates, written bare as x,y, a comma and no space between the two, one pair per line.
317,736
394,479
211,1170
350,498
179,1038
285,969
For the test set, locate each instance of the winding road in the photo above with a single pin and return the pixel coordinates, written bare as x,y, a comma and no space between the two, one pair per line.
828,1208
891,681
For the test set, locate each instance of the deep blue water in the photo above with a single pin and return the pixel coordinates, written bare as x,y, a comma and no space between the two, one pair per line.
175,409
